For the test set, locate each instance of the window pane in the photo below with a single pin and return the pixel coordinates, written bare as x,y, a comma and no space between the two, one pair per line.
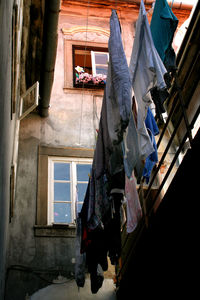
62,213
79,206
61,171
102,70
82,58
61,191
101,58
81,189
83,172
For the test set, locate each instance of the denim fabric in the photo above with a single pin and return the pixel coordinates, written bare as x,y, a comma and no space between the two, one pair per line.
118,84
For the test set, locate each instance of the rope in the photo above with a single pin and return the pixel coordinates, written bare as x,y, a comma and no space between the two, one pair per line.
86,37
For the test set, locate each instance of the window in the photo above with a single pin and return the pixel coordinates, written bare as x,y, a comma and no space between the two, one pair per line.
75,52
68,164
90,65
68,180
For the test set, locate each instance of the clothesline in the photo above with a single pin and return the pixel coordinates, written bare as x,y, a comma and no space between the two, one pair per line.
126,147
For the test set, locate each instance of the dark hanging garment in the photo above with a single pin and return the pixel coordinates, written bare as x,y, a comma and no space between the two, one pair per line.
163,26
100,214
80,266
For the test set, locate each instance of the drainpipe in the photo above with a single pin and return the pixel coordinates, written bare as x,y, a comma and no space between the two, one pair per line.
52,8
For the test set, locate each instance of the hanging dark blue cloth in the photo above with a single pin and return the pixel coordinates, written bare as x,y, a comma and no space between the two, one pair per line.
152,159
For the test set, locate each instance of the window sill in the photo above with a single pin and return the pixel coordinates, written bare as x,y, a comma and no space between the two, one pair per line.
89,91
89,86
55,230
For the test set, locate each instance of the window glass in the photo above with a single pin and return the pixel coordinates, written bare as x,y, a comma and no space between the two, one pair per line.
79,206
62,213
68,181
82,58
101,58
61,191
61,171
102,70
99,63
83,172
81,190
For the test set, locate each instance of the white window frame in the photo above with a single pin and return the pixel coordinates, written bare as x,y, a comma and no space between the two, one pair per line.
35,101
73,183
94,64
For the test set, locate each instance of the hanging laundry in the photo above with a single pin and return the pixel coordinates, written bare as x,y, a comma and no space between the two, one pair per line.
146,71
163,26
152,159
118,84
80,266
134,210
130,147
100,214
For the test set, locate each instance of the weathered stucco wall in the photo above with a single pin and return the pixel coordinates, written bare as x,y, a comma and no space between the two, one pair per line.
72,122
8,107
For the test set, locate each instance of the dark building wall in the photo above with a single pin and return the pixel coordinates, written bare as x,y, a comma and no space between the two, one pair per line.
6,125
164,264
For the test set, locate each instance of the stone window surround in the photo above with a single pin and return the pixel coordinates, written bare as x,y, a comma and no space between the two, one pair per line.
41,228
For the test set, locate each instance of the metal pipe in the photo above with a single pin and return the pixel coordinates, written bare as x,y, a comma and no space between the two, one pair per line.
184,4
52,8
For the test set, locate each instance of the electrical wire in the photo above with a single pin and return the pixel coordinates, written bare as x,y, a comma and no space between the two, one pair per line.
86,38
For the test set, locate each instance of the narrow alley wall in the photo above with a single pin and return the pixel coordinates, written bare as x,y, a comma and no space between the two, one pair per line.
37,255
39,252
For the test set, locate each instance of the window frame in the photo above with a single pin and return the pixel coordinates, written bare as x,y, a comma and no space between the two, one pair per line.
73,184
92,50
94,64
42,192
